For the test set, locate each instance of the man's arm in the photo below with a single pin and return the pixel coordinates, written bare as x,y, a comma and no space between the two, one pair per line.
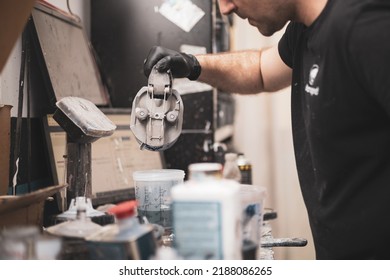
239,72
245,71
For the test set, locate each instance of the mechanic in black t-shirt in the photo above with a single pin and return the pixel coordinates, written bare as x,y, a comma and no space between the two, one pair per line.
336,56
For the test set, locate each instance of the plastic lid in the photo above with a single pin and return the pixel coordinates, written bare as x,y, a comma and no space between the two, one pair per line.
124,209
158,175
77,203
205,167
79,228
76,228
242,160
260,189
205,170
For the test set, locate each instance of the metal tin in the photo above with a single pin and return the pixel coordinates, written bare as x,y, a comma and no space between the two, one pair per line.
246,169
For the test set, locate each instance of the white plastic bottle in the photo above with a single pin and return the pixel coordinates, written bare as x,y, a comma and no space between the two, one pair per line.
230,168
207,215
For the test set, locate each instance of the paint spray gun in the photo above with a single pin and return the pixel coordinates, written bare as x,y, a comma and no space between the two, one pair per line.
157,113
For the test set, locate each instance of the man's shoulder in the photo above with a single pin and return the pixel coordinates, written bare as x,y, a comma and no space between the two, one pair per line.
345,10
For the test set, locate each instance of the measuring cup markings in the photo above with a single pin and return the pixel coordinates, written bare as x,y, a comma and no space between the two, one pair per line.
153,194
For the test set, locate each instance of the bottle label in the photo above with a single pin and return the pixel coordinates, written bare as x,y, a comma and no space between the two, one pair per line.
198,230
246,175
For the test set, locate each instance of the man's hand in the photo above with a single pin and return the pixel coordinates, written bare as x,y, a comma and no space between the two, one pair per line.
182,65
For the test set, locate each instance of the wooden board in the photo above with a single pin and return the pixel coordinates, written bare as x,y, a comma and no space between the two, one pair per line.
25,209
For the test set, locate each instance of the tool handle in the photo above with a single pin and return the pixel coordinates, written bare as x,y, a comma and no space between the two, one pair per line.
283,242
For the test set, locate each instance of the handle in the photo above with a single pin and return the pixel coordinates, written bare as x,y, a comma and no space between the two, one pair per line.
283,242
269,215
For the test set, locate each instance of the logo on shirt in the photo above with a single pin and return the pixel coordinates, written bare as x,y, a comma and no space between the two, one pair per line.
311,87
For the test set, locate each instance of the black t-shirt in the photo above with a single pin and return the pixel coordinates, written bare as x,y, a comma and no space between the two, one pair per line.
341,125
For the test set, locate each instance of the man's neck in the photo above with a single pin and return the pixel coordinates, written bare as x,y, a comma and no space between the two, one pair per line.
308,11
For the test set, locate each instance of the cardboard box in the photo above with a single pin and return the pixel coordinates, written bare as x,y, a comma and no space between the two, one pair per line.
5,125
13,18
25,209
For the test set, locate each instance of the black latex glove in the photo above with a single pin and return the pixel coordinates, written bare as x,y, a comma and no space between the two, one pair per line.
182,65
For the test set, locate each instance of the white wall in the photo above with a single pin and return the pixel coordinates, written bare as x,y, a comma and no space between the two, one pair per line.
262,131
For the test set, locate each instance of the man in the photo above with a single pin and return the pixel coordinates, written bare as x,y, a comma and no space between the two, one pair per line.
336,56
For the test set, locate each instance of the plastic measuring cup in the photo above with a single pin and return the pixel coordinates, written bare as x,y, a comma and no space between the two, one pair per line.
153,193
252,203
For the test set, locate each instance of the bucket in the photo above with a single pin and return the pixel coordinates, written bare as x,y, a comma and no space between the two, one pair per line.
153,193
252,205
